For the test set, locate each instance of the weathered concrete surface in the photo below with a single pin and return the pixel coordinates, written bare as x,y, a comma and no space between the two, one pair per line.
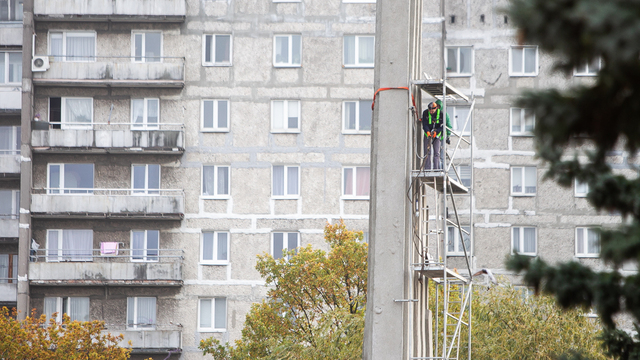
8,228
8,292
9,164
110,7
95,273
10,98
70,138
107,204
148,339
11,34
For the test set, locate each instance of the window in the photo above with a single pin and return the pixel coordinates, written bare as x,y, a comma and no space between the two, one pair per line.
523,61
284,241
454,243
69,245
587,242
141,312
145,113
73,45
356,117
523,180
10,140
212,315
458,115
215,181
355,182
214,248
70,178
76,307
9,204
465,174
287,50
522,121
524,240
145,179
215,115
11,10
145,245
358,51
8,268
285,116
146,46
73,113
285,181
216,50
588,68
10,67
581,188
459,61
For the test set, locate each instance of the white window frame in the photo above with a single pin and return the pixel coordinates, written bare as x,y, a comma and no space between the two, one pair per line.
68,257
357,130
65,302
63,112
459,168
286,182
585,239
285,243
216,195
289,62
354,183
215,128
213,50
62,190
213,327
576,186
523,73
146,190
144,40
78,33
285,120
578,73
216,240
17,141
524,184
11,11
357,63
521,240
145,124
457,251
6,71
459,73
146,258
135,325
454,116
523,113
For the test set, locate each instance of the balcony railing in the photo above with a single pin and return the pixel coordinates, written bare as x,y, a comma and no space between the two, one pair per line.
112,71
112,10
9,226
156,138
10,96
160,339
9,164
82,203
8,290
125,267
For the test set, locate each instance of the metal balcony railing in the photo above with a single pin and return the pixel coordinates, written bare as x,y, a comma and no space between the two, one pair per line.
122,255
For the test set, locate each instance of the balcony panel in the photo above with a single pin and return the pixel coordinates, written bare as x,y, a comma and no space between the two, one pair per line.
9,166
158,341
109,10
105,203
113,72
8,292
11,99
11,33
9,228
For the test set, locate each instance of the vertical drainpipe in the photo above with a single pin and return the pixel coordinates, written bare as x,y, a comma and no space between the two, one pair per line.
24,242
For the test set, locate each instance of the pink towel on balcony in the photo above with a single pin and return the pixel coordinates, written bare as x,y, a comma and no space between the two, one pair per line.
108,248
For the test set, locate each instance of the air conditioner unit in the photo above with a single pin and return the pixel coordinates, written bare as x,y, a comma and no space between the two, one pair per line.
40,63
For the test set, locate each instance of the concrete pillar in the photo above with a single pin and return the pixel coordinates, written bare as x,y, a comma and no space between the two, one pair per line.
24,242
396,59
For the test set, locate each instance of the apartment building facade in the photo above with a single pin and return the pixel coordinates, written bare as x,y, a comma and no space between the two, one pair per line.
165,144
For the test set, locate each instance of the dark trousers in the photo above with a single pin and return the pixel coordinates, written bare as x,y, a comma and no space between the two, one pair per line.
435,149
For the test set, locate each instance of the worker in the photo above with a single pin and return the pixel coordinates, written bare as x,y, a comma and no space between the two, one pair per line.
432,126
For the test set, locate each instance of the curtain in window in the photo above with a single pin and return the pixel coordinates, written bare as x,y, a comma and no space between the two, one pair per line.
50,306
137,112
137,245
530,180
6,138
78,111
529,240
55,44
516,239
4,268
152,47
221,313
348,181
366,50
282,49
278,245
223,109
292,180
365,115
208,183
350,115
528,120
77,245
205,313
515,120
152,112
15,67
137,47
53,245
146,316
17,9
278,114
223,180
362,181
79,308
80,47
349,50
222,246
516,60
516,180
78,176
278,181
292,115
223,48
593,242
153,245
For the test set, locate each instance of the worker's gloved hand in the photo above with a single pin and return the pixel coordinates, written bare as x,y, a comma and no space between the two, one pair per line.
449,141
433,134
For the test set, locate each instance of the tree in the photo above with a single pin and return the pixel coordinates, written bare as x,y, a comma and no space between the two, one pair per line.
315,307
602,116
32,339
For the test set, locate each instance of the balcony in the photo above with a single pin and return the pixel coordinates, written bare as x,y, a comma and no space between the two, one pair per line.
110,10
157,341
8,227
8,291
9,164
107,204
114,138
125,268
10,33
113,71
11,99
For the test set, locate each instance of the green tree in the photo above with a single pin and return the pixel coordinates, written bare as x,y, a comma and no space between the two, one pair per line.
314,308
602,116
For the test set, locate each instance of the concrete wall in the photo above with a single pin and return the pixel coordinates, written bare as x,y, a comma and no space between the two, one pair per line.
110,7
8,228
8,292
107,138
123,203
10,98
105,70
106,272
11,34
9,164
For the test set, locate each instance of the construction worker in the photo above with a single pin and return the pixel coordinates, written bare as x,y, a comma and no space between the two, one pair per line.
432,126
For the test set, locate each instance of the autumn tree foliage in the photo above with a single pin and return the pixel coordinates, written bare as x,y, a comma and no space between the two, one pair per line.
36,339
314,308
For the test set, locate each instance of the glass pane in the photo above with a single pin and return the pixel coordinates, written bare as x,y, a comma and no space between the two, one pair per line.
292,241
139,174
153,178
153,244
349,50
208,183
221,313
56,45
6,139
52,245
594,66
146,316
54,178
78,176
208,39
516,60
362,181
80,47
529,121
152,111
516,180
365,115
223,48
348,181
223,110
516,121
137,47
462,112
530,180
278,114
292,180
50,306
452,64
465,60
2,66
278,181
530,60
593,242
78,112
582,68
152,47
516,239
467,240
18,10
137,112
15,67
366,50
205,313
223,180
529,240
581,188
296,49
580,240
77,245
79,308
282,49
350,115
222,246
292,114
207,114
5,204
137,245
451,235
207,246
4,10
4,268
278,245
130,311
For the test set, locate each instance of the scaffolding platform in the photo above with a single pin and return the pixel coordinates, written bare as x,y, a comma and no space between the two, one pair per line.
435,179
436,272
434,88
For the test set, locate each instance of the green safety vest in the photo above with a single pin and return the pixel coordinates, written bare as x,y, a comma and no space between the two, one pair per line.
437,116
